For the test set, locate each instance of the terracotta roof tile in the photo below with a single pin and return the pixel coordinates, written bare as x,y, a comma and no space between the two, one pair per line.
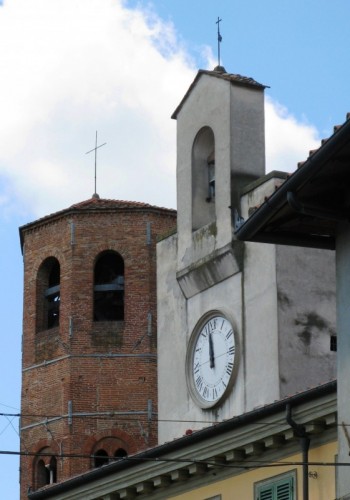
96,203
323,141
233,77
220,72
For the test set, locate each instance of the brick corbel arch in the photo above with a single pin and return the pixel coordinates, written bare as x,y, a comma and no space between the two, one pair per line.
111,442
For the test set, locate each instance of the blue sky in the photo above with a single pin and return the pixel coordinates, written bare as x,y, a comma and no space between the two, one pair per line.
70,68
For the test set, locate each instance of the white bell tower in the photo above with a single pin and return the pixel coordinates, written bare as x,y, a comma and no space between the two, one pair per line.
220,148
236,323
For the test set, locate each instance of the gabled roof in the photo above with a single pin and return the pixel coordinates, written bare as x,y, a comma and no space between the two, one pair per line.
219,72
306,209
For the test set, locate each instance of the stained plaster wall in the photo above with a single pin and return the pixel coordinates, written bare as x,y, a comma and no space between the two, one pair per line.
306,317
260,326
178,317
305,302
249,299
281,304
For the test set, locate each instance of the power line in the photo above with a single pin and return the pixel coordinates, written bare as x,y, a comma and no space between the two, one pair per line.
9,424
246,464
114,414
8,406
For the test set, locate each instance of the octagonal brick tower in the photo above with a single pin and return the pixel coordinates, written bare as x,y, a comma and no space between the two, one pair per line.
89,380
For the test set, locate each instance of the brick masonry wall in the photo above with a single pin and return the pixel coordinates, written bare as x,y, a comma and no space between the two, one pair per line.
105,373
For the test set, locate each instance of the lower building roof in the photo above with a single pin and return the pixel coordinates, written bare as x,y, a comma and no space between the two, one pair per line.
306,209
225,449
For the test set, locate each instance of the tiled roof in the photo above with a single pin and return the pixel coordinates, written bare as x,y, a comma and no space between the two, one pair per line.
95,204
302,163
306,208
323,141
220,72
100,203
232,77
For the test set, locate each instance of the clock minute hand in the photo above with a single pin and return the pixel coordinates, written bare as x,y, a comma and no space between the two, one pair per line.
211,351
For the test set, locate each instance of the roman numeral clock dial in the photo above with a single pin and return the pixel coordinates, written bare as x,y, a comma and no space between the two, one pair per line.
211,360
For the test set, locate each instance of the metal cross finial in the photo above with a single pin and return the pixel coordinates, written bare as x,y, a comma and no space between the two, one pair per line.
219,38
95,149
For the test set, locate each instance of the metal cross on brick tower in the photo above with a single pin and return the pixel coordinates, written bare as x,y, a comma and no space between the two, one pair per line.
91,150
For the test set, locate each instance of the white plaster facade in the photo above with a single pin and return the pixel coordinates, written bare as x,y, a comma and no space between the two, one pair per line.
282,312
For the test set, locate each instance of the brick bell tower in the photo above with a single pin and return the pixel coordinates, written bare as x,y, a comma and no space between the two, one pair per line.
89,380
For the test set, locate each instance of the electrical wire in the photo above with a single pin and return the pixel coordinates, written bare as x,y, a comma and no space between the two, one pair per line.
114,414
241,464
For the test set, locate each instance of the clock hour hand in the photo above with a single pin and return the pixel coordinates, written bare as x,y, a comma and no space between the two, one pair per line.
211,351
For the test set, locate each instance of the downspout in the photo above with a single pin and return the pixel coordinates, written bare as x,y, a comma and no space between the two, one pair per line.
300,432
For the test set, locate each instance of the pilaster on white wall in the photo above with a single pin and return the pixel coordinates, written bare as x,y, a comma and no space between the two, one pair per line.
343,356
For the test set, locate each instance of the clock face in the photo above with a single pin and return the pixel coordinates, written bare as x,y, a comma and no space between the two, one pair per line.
211,360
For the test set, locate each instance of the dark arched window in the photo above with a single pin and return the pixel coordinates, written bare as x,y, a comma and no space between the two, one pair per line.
120,453
48,294
53,470
211,176
42,474
101,458
109,287
45,472
108,449
203,178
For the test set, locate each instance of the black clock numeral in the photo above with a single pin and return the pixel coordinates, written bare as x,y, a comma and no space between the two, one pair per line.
212,324
229,368
231,350
199,382
229,334
222,324
196,368
205,392
215,393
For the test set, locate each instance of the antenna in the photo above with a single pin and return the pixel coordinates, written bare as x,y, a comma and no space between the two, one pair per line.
95,195
219,38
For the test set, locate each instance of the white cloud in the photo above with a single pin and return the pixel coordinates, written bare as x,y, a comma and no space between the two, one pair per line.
70,67
287,140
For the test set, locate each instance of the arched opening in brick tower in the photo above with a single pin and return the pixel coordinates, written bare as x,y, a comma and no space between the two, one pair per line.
108,449
101,458
42,475
120,453
45,471
109,287
48,294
